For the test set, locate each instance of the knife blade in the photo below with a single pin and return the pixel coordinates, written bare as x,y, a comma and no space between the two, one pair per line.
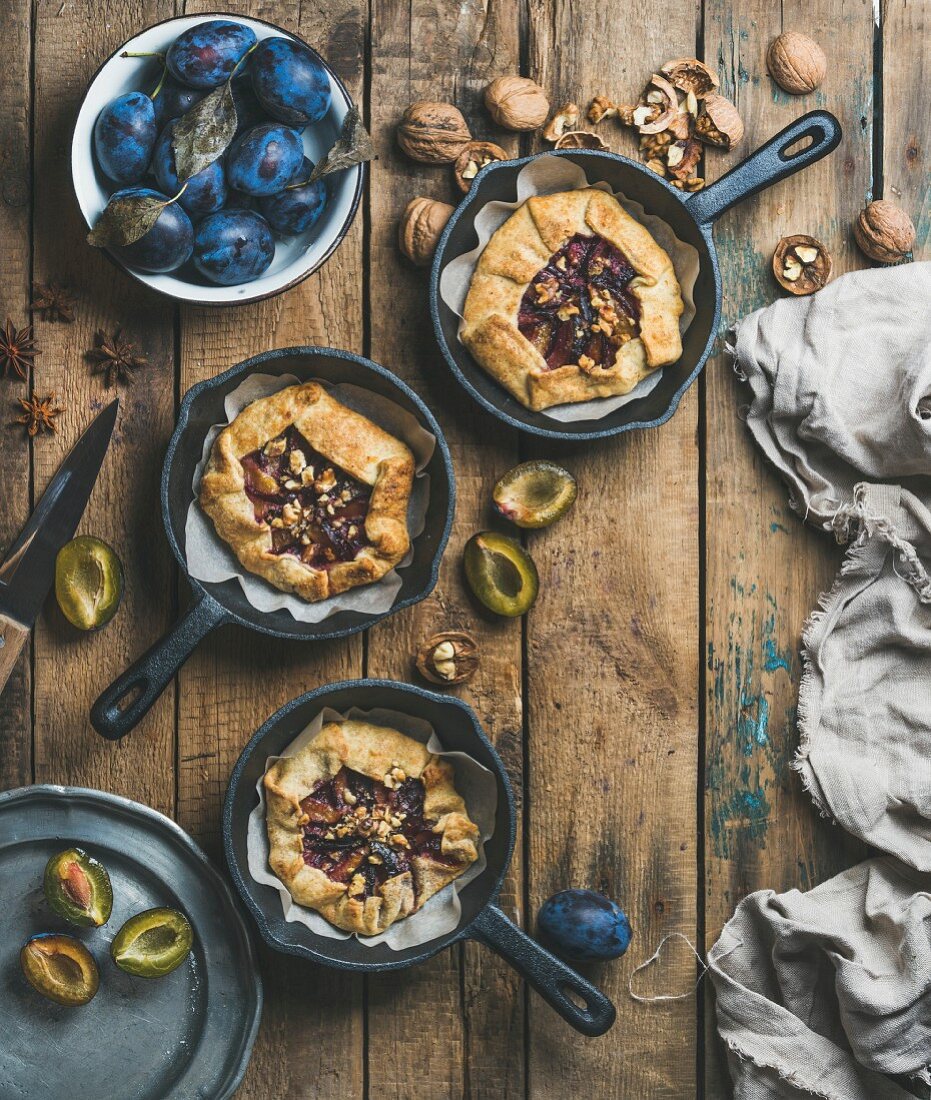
28,570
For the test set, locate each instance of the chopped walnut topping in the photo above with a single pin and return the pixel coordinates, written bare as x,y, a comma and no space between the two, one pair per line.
586,363
546,292
566,311
325,481
398,773
297,462
349,798
377,860
399,840
290,513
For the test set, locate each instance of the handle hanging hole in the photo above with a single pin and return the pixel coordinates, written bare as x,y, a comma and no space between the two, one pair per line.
798,146
130,697
575,997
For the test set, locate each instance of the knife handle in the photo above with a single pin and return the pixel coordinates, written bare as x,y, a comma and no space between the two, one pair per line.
13,636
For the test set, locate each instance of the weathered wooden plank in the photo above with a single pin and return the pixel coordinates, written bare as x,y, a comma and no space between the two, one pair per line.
311,1041
469,1008
613,655
70,670
15,268
764,569
906,27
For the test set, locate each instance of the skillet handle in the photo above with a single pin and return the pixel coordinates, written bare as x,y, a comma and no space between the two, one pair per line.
768,165
145,681
549,976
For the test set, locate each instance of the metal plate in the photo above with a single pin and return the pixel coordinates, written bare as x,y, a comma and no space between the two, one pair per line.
188,1035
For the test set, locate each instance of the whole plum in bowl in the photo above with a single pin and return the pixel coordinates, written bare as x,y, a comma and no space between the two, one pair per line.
192,157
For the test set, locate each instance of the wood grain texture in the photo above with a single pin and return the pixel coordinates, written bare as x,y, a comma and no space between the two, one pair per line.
71,668
13,639
467,1001
15,279
311,1042
613,656
764,568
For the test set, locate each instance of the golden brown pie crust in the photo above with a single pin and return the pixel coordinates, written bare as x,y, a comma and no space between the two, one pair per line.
512,258
379,753
344,437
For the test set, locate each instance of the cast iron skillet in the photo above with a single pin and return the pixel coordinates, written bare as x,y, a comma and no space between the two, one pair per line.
129,697
459,730
691,218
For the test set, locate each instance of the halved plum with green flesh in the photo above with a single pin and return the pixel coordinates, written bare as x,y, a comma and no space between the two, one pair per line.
153,943
77,888
60,968
501,573
88,582
535,494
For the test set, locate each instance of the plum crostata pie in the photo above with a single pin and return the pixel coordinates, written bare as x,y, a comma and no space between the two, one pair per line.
365,825
309,494
572,299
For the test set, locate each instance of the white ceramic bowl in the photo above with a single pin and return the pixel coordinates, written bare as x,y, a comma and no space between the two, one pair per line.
295,257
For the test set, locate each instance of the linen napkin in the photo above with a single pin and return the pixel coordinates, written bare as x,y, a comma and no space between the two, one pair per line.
828,993
841,384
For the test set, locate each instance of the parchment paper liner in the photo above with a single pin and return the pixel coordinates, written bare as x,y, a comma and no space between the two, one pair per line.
210,559
545,176
441,914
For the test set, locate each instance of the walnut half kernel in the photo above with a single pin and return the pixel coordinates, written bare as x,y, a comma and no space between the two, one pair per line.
473,159
447,658
801,264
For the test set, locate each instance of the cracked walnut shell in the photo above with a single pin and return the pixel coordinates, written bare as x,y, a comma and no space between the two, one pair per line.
581,139
719,123
421,226
688,74
565,120
447,658
433,133
473,159
517,103
801,264
796,62
884,232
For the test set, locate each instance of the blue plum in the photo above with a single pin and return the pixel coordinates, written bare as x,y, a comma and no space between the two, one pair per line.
124,137
263,160
289,80
173,100
233,246
239,200
583,925
298,206
205,192
169,242
249,112
204,56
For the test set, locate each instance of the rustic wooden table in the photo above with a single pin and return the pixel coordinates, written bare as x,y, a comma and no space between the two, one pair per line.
646,707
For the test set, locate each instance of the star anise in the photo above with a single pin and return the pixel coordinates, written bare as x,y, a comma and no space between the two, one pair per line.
54,301
17,349
39,414
114,357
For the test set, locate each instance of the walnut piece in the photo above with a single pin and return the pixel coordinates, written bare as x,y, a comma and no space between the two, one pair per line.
719,123
566,118
421,226
601,108
581,139
796,62
884,232
447,658
473,159
433,133
517,103
801,264
690,75
661,98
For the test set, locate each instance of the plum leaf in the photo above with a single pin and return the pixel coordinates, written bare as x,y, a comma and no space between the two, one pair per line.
204,132
125,220
352,147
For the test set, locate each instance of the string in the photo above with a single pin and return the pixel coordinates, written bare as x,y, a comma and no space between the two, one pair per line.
653,958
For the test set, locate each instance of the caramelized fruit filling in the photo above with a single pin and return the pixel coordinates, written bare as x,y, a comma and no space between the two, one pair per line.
315,509
579,308
362,832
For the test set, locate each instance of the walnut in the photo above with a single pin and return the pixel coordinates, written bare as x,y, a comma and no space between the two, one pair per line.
565,119
447,658
473,159
691,75
681,158
663,102
433,133
422,223
796,62
719,123
601,108
581,139
801,264
517,103
884,232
